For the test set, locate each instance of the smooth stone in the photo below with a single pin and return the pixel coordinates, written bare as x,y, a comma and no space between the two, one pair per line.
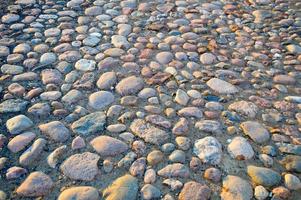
106,80
221,86
176,170
81,166
255,131
35,185
292,182
85,65
19,142
11,69
33,152
149,192
18,124
101,99
120,41
56,130
107,146
79,193
164,57
130,85
48,58
181,97
263,176
73,96
123,188
207,58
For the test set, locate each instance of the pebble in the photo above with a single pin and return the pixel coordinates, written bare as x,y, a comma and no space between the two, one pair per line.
18,124
263,176
208,149
195,190
80,193
81,167
108,146
235,187
35,185
240,149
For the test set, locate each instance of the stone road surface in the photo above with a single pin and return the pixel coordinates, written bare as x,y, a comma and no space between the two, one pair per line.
125,100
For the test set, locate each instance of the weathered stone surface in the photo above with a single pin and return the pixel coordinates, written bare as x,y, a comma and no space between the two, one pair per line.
89,124
240,149
235,187
195,191
209,150
148,132
81,167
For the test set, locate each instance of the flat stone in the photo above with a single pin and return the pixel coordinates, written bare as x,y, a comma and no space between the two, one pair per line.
79,193
33,152
195,191
129,86
13,105
91,41
120,41
246,108
81,167
209,126
11,69
207,58
263,176
255,131
93,11
181,97
209,150
221,86
56,130
35,185
164,57
107,80
19,142
293,48
149,192
240,149
235,187
101,99
85,65
108,146
73,96
18,124
125,188
284,79
48,58
148,132
89,124
176,170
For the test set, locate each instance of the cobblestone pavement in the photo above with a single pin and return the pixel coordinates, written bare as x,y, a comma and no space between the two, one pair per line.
125,100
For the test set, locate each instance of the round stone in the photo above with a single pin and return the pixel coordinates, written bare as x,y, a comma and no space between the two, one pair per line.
101,99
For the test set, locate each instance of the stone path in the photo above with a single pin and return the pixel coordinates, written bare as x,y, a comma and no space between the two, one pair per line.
187,100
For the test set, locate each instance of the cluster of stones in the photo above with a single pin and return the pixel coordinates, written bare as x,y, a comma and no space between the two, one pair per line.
167,100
